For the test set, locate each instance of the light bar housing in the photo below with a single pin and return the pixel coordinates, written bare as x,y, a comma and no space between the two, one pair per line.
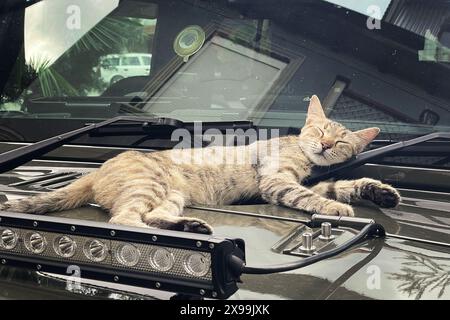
219,282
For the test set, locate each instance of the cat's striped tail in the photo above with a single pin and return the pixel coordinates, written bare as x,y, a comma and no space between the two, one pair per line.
72,196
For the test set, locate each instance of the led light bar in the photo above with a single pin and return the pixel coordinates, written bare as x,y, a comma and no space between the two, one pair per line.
180,262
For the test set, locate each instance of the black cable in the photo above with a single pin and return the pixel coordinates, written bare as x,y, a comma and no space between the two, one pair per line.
370,230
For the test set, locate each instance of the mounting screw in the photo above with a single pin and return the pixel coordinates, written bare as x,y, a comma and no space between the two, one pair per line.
158,285
112,233
214,294
73,228
3,261
202,292
154,238
211,245
116,278
199,244
35,223
39,267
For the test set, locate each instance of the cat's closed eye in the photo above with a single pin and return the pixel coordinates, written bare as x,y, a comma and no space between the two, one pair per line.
320,131
342,142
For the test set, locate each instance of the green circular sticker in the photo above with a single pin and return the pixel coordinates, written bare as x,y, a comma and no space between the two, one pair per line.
189,41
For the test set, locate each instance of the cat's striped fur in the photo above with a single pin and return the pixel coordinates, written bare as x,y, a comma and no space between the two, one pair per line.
151,189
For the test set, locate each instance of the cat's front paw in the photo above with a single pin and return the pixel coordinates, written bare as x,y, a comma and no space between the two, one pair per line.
381,194
337,209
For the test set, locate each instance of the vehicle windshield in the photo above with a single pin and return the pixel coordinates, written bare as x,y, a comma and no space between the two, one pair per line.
377,62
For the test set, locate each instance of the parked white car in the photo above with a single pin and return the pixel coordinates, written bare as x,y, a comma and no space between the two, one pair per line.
114,67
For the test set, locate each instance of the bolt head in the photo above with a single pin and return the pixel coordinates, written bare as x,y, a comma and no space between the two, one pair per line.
35,224
211,245
112,233
39,267
326,231
214,294
116,278
73,228
202,292
154,238
199,244
158,285
3,261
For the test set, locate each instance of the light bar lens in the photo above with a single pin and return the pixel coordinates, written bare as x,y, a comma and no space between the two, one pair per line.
35,242
161,259
128,255
8,239
197,264
65,246
95,250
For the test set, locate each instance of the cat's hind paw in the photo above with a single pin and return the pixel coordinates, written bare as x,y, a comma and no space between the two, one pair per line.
196,226
186,224
335,208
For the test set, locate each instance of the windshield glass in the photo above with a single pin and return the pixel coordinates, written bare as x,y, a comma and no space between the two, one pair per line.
383,63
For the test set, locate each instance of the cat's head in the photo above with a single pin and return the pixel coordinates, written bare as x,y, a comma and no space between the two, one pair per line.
326,142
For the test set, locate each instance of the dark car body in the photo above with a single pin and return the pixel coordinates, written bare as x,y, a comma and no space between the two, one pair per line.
365,77
413,263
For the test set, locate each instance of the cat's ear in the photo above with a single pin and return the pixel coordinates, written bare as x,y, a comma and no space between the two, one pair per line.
315,110
366,136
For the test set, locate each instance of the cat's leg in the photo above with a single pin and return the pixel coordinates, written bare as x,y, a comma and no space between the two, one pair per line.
131,206
349,191
139,194
129,214
128,217
168,216
283,188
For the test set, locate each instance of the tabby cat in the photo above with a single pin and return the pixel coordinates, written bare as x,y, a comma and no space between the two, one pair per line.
151,189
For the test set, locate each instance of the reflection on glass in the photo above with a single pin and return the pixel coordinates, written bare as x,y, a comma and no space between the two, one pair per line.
115,67
422,275
223,77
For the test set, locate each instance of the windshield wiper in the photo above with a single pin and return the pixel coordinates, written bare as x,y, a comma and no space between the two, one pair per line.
14,158
324,173
109,106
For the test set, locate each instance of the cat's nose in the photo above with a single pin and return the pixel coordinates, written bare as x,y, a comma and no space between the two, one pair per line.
326,145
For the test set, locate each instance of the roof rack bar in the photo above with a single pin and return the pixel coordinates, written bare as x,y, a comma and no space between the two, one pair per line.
14,158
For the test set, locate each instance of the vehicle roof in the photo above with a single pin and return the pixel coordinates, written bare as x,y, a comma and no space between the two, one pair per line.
422,215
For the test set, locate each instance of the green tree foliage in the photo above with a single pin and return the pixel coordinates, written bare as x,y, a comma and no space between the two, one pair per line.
74,73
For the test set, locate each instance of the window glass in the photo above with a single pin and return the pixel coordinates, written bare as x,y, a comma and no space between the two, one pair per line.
130,61
213,61
377,8
113,61
146,60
